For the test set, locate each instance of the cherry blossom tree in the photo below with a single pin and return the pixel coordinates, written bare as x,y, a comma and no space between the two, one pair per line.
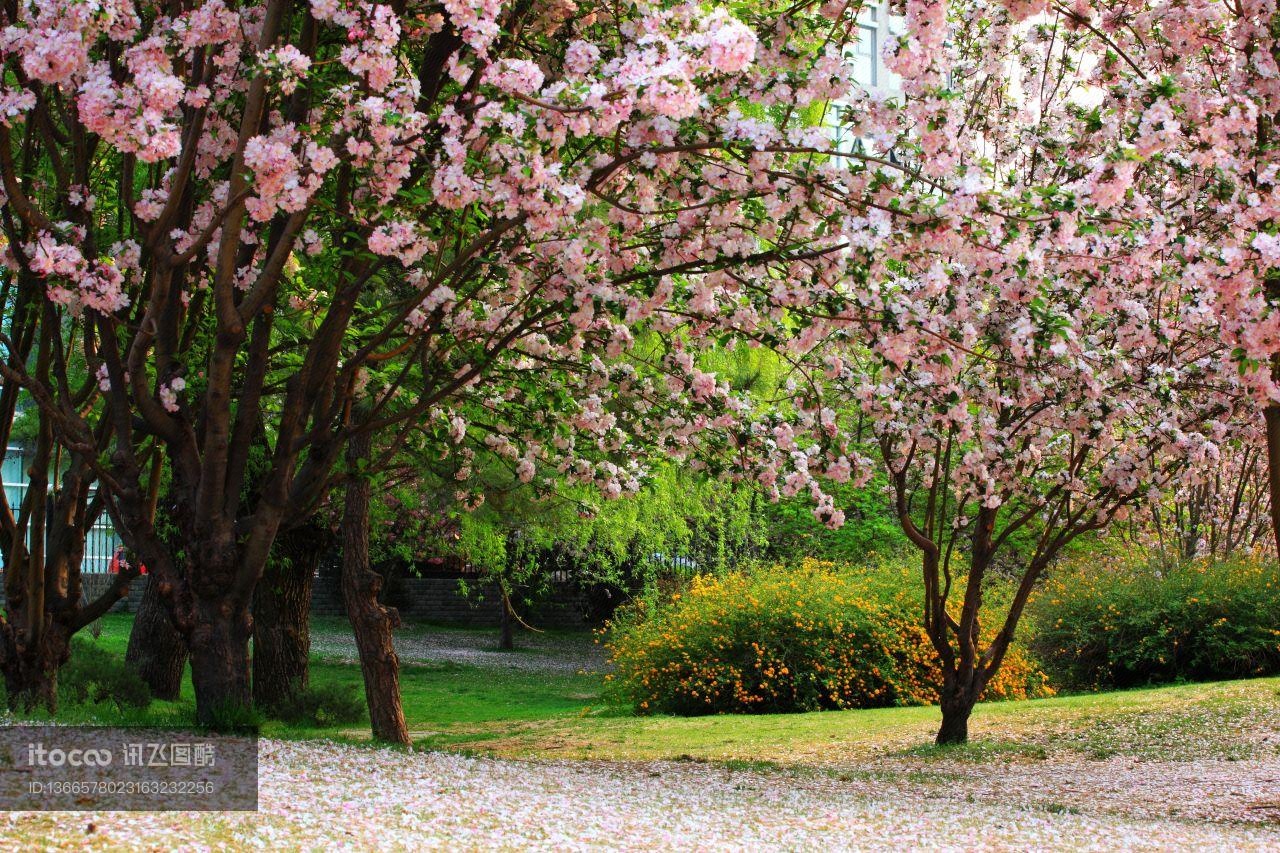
1021,337
1181,118
1014,427
317,222
1217,510
42,537
339,228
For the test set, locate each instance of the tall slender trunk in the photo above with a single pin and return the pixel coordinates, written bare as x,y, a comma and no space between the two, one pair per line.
281,616
506,638
372,622
157,650
1271,415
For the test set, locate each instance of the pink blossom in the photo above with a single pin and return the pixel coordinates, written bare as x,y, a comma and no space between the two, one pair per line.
1268,246
580,57
169,393
730,44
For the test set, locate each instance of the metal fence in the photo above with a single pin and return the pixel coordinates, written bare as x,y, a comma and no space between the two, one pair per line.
101,541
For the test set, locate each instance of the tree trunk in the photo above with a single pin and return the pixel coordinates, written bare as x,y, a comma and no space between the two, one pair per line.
156,651
281,617
43,592
373,623
31,673
38,690
506,638
220,664
955,724
1272,416
957,701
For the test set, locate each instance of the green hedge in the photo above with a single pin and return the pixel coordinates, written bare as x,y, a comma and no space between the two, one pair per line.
1120,624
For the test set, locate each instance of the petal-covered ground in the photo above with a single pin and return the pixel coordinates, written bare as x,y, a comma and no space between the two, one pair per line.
553,653
325,796
1177,767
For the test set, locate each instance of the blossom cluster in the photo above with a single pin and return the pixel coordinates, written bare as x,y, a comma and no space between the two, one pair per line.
496,228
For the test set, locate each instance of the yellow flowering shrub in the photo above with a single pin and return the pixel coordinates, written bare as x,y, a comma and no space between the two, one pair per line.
787,639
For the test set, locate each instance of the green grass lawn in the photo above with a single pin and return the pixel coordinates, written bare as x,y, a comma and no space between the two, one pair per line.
443,702
498,710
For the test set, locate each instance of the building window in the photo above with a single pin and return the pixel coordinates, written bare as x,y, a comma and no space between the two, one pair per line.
865,56
875,29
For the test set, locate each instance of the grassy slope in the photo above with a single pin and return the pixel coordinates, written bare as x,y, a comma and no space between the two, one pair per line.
1233,720
525,714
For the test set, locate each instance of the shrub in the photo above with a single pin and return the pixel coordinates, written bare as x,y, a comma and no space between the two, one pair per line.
93,675
1121,624
805,639
322,705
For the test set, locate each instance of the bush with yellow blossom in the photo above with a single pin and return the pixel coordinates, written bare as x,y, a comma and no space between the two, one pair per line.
809,638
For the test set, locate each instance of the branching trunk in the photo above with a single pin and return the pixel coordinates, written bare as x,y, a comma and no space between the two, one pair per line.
955,720
31,671
208,600
30,658
42,583
372,622
281,616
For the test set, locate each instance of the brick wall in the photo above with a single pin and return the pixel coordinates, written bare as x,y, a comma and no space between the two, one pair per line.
95,583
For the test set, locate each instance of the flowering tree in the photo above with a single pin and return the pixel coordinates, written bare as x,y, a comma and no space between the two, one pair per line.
42,537
1177,123
1217,510
1025,345
1040,433
317,221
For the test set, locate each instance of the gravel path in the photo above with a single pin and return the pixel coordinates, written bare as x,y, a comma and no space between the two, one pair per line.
550,653
320,796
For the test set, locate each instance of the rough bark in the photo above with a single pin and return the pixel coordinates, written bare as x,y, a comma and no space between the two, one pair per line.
33,646
957,701
219,648
955,724
157,650
372,623
42,582
281,616
31,673
31,653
